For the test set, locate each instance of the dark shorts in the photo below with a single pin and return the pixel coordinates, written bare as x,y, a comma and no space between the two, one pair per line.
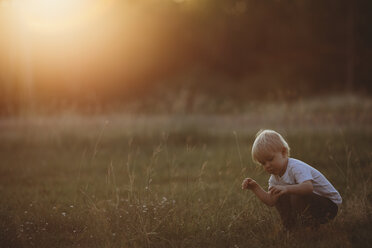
306,210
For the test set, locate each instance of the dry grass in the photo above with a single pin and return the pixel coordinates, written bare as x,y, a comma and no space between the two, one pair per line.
125,180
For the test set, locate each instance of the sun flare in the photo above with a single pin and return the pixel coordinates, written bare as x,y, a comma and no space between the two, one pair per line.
55,42
72,44
54,16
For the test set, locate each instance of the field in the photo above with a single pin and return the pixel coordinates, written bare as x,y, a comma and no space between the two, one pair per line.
174,180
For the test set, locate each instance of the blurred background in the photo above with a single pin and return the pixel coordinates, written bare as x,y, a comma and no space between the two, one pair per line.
210,55
130,123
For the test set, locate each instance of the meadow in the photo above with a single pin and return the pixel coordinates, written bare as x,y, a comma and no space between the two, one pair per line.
174,180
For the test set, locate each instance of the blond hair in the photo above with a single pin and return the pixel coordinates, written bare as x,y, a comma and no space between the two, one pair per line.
267,141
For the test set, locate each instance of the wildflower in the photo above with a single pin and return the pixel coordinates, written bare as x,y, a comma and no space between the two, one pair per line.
64,213
72,206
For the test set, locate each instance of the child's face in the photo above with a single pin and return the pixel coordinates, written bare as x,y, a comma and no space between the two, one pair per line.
275,162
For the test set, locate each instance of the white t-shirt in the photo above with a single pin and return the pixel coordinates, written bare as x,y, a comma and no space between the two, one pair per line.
297,172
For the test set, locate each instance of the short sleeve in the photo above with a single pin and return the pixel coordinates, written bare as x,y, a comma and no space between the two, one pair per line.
301,174
272,181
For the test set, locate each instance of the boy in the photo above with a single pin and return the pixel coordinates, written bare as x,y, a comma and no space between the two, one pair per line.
300,193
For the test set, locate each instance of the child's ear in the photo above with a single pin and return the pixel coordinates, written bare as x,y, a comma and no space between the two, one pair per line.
284,152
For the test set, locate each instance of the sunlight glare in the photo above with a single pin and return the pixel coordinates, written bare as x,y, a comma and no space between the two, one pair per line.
58,15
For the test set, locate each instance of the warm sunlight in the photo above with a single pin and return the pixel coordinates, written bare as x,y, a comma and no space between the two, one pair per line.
54,42
50,47
54,16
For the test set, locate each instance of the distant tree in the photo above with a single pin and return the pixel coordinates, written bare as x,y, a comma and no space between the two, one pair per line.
350,77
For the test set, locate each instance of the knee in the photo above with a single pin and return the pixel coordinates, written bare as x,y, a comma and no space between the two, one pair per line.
299,202
283,200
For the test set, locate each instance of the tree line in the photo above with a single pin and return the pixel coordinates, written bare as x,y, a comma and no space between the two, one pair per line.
241,50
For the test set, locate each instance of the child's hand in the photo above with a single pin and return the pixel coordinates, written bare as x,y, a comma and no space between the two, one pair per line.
249,183
278,190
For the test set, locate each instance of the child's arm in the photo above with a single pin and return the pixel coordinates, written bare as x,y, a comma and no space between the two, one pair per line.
303,188
265,197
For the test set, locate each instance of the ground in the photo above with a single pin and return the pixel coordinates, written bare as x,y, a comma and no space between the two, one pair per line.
173,180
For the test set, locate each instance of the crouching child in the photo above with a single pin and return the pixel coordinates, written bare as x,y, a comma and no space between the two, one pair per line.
302,195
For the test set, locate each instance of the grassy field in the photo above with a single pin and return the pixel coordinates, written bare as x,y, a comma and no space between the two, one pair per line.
173,180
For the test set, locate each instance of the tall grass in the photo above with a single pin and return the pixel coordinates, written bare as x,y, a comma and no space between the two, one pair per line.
174,181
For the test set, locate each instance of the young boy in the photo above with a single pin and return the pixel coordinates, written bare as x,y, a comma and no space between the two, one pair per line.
300,193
